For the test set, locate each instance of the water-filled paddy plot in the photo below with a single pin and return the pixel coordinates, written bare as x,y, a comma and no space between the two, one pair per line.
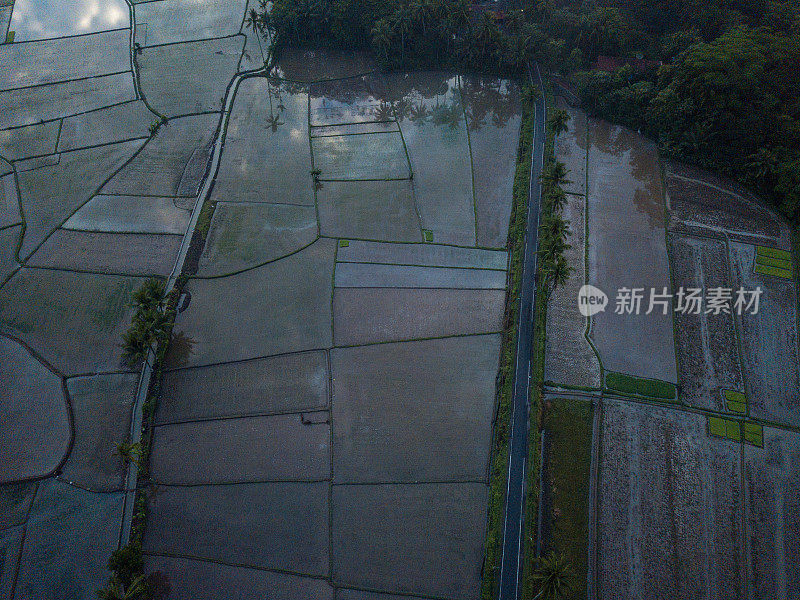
329,391
693,440
348,358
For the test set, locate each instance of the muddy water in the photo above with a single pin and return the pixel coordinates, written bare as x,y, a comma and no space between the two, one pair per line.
627,248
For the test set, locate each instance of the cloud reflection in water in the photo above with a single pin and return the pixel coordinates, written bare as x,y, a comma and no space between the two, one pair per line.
44,19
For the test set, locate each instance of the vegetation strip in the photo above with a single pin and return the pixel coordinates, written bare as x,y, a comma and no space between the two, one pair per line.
505,382
568,455
737,431
551,574
639,386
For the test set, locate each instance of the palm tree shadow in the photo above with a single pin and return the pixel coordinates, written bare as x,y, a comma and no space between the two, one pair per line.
181,348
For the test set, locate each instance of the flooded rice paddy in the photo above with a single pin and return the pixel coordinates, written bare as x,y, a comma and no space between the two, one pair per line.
353,272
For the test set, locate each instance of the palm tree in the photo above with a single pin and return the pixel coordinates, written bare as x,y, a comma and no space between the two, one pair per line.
556,198
151,294
517,52
554,578
382,38
137,589
557,274
253,20
556,228
488,33
135,346
554,174
558,121
403,24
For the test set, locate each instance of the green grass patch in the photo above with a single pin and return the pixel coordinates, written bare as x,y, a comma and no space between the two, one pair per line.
725,428
344,243
735,401
716,426
638,386
427,234
737,407
10,37
773,253
773,271
774,262
754,434
568,427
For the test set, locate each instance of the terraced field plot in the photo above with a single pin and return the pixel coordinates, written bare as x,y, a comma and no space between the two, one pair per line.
682,499
96,191
316,380
327,342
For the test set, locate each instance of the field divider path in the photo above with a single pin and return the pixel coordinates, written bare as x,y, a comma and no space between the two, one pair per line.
147,370
511,565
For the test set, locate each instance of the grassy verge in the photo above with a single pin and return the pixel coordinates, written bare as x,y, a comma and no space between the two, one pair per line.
568,427
505,382
126,564
537,380
638,386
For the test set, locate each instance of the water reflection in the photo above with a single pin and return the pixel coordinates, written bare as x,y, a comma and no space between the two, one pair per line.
45,19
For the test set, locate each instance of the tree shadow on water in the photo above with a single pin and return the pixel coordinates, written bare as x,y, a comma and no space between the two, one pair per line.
181,348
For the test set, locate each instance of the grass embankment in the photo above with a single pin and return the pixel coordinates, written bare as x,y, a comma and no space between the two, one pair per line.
541,298
126,564
639,386
505,383
127,578
568,430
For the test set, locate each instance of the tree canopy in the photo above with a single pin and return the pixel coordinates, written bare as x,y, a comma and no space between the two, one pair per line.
713,81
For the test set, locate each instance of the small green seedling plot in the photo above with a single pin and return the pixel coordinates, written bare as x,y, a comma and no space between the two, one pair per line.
638,386
774,262
10,37
725,428
344,243
735,401
751,433
428,235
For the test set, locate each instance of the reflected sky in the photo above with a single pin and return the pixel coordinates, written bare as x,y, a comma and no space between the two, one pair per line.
44,19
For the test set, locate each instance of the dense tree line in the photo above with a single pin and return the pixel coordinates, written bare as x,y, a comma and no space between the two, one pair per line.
725,96
405,33
727,102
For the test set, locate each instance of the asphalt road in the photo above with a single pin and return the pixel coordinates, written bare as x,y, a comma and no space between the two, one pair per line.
511,565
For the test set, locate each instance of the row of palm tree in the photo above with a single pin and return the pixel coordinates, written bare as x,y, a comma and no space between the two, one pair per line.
402,33
150,324
554,231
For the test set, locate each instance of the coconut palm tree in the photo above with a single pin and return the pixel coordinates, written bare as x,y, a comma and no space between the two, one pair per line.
554,174
253,20
556,198
382,38
137,589
554,578
557,274
558,121
487,34
556,228
151,294
403,24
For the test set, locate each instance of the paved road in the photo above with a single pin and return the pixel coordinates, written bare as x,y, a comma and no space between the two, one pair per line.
511,564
